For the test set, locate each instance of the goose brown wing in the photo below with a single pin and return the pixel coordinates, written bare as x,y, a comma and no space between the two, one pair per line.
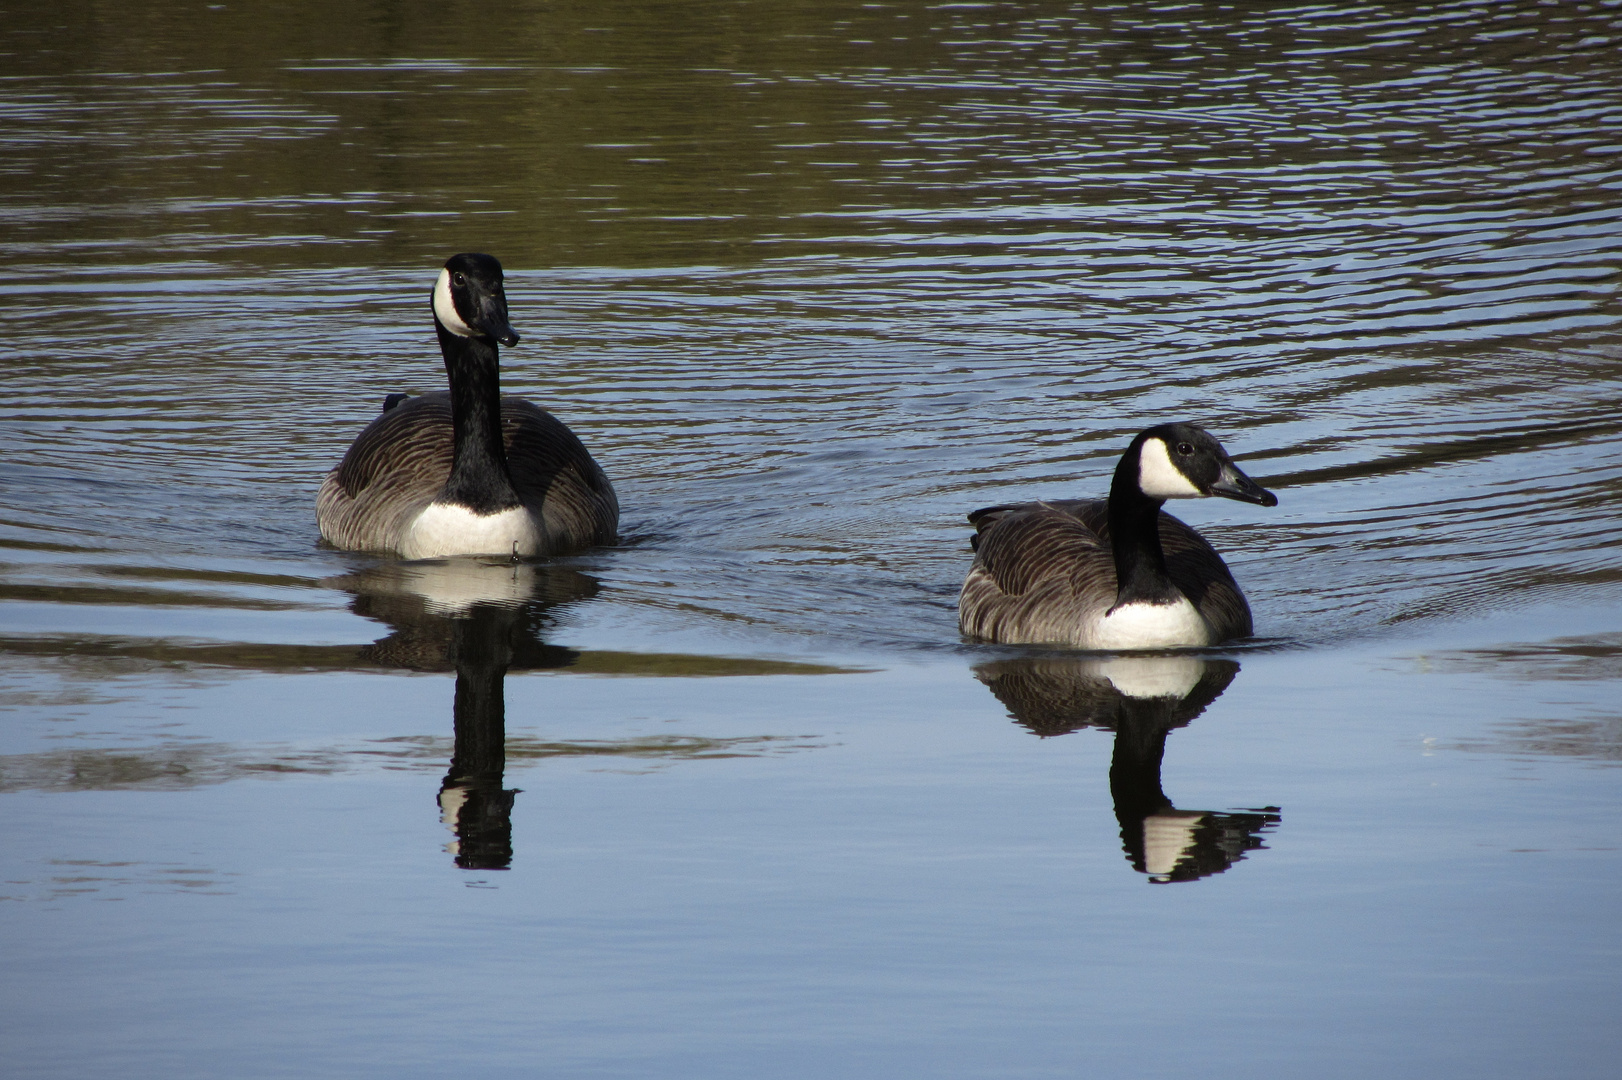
1039,574
557,478
1020,546
394,468
413,439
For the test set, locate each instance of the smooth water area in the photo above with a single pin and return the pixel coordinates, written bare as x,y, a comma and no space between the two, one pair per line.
733,798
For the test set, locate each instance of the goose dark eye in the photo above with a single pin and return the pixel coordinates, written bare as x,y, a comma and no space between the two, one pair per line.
1184,448
459,278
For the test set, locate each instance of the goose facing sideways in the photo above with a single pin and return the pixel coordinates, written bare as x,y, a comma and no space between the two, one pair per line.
472,471
1116,573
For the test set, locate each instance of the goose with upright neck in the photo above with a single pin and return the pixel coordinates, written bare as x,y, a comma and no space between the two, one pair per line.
471,471
1115,574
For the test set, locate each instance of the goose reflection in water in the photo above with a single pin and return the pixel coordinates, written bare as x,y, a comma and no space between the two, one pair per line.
479,619
1141,699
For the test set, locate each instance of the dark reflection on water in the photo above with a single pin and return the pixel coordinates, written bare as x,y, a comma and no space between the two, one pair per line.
109,654
670,135
442,614
1140,699
192,764
1590,733
480,620
483,619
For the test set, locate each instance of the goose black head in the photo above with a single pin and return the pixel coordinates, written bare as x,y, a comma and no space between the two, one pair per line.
1181,461
469,301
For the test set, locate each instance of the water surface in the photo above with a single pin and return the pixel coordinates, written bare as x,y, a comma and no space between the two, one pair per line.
813,282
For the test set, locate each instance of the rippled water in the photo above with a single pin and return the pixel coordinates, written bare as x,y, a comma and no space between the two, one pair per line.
812,283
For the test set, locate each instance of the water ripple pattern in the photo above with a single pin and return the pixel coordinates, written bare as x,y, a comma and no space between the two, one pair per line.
813,292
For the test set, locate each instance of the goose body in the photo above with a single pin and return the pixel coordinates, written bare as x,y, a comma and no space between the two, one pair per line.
1115,574
470,471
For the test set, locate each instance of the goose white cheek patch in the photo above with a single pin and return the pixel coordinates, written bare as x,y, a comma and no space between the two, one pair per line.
445,308
1158,478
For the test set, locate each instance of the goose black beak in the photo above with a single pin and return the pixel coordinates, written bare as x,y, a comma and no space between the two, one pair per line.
492,323
1233,484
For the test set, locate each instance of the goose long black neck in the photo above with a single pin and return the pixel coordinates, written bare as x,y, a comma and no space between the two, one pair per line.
1134,529
479,478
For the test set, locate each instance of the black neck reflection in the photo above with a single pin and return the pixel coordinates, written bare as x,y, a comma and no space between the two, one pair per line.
1141,699
472,800
481,620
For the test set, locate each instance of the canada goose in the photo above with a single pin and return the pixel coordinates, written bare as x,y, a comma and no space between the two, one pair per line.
1116,573
469,472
